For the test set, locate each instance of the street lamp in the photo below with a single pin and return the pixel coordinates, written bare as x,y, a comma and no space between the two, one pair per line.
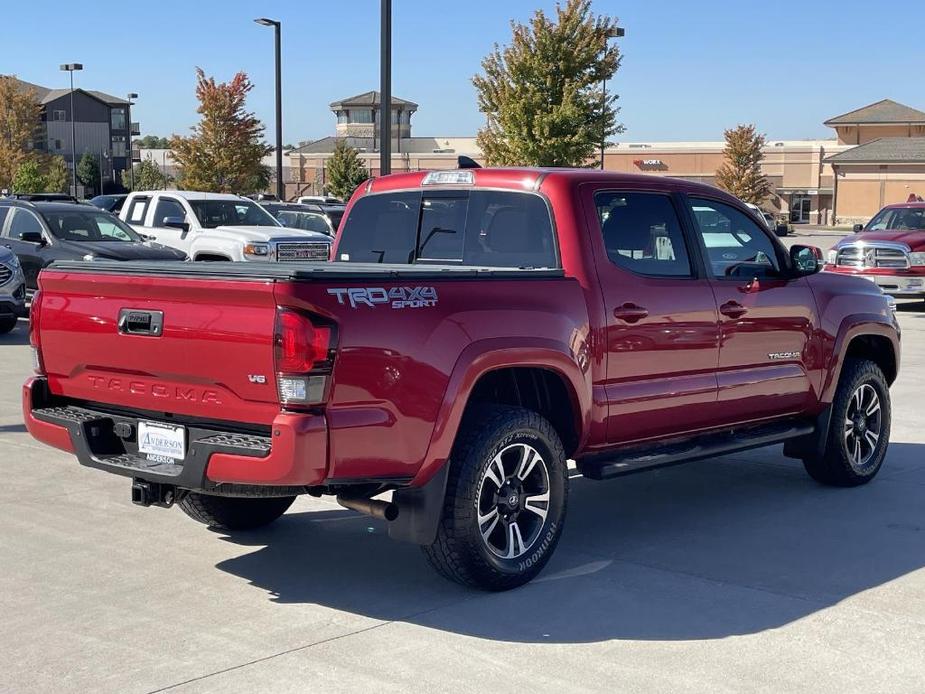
71,68
385,88
131,149
263,21
615,33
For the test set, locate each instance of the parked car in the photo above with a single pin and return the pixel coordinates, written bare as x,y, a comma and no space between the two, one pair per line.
217,226
323,219
319,200
459,351
770,222
12,290
43,232
889,250
110,203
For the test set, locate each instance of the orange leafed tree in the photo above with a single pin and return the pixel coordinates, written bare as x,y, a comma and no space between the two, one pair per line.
225,151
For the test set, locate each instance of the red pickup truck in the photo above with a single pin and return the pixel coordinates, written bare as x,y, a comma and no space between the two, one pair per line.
889,250
476,330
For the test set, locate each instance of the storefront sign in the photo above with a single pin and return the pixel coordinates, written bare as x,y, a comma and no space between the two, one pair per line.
650,164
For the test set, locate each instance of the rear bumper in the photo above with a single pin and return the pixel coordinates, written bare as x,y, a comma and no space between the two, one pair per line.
294,454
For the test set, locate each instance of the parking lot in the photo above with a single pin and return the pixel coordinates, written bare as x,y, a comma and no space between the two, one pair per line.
737,574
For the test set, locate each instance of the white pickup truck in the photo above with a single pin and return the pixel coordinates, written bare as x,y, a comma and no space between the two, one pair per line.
219,226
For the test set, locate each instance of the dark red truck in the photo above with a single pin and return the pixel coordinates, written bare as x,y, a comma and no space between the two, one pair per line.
475,331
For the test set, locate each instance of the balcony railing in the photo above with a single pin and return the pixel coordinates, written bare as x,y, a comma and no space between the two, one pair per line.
136,128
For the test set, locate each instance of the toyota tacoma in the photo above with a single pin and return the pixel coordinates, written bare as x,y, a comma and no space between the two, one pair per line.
476,331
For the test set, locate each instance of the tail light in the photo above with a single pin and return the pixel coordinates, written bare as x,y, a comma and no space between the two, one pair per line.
35,312
304,355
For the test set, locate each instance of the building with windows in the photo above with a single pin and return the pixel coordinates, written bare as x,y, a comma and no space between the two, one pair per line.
102,126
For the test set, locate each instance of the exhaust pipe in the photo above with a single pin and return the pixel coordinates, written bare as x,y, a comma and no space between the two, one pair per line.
383,510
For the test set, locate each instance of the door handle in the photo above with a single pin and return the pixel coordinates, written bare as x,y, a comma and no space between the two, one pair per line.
630,313
733,309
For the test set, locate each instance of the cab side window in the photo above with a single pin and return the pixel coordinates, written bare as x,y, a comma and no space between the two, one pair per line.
642,233
735,246
136,212
24,221
167,208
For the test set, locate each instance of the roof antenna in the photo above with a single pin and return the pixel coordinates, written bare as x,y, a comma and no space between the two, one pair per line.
464,162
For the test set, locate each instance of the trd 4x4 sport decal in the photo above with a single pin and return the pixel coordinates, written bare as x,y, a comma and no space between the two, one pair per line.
396,297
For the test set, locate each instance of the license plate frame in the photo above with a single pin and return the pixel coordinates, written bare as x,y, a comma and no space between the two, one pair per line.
161,442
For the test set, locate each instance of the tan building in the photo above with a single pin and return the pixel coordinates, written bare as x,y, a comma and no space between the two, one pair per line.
886,163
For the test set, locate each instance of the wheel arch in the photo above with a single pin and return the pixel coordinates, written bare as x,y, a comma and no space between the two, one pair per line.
548,378
867,337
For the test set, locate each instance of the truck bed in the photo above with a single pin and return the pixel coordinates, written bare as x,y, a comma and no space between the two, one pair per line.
302,270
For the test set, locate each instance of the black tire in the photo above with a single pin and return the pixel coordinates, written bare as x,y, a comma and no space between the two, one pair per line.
838,466
7,323
460,553
233,512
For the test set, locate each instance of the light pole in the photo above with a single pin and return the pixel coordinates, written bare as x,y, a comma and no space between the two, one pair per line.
263,21
385,88
71,68
617,32
131,146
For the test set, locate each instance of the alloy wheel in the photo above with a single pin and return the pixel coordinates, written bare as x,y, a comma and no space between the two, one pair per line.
863,425
513,501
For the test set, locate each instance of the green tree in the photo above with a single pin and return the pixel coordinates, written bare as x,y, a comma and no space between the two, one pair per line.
57,175
542,94
345,171
20,115
740,173
148,176
88,171
152,142
226,150
29,178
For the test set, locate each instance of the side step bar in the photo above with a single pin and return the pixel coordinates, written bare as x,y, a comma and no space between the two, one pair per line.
641,457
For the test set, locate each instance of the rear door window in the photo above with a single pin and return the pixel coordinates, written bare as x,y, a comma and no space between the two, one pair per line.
136,212
475,228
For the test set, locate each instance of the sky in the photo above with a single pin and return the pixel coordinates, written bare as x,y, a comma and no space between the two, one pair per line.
690,69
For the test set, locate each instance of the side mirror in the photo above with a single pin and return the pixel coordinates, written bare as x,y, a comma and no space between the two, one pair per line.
176,223
807,260
33,237
858,227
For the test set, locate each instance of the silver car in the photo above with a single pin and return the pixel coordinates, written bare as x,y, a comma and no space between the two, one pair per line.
12,291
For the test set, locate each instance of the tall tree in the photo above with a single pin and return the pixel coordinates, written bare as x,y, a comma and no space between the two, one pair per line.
345,171
740,173
225,152
542,94
88,172
20,115
57,175
29,178
148,176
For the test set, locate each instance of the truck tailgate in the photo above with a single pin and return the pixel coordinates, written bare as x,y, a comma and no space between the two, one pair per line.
212,358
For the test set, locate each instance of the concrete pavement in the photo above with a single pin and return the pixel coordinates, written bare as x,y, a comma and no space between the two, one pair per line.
738,574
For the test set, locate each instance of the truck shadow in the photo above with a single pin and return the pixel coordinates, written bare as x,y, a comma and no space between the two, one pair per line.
704,551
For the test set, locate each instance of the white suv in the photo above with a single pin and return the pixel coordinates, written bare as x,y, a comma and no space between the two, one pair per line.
219,226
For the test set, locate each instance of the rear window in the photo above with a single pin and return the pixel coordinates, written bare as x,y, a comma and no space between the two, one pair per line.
477,228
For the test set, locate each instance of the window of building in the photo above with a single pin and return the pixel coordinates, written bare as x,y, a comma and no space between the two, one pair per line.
642,233
59,115
474,228
118,119
736,247
361,115
343,116
118,146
